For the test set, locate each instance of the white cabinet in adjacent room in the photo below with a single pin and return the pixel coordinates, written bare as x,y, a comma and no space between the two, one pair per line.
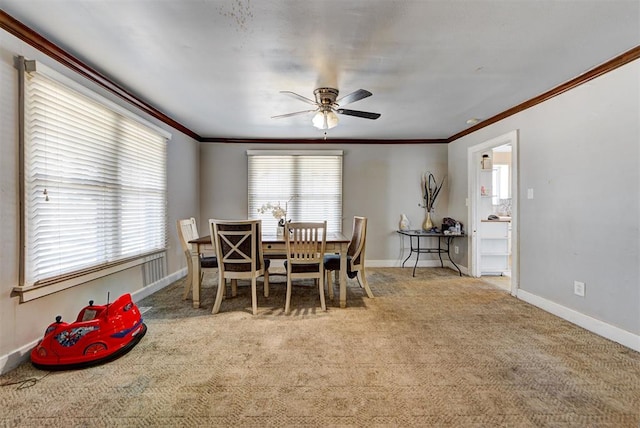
494,247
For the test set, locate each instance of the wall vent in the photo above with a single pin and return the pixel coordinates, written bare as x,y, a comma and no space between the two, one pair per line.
154,269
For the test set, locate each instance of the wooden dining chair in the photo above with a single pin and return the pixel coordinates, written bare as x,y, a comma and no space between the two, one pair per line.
305,244
239,250
355,258
188,231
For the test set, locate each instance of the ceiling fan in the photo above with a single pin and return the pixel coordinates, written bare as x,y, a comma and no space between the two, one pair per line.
328,106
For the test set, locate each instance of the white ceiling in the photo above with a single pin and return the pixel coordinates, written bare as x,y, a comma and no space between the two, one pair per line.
217,67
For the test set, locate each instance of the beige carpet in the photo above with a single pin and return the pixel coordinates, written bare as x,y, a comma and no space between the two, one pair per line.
435,350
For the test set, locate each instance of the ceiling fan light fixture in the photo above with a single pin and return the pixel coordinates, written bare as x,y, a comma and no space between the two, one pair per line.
327,107
325,119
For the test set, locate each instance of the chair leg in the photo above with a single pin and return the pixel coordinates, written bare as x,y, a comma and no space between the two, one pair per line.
287,301
254,295
219,294
330,284
234,287
362,279
187,285
323,304
266,283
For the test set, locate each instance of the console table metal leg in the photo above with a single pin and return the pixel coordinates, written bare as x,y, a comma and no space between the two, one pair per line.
440,252
449,239
410,251
417,255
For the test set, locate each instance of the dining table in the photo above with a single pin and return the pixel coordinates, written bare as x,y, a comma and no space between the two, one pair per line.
272,245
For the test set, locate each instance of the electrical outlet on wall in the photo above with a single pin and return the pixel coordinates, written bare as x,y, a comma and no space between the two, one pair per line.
456,249
578,288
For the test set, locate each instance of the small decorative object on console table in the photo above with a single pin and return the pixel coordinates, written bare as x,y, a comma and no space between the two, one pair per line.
404,223
431,191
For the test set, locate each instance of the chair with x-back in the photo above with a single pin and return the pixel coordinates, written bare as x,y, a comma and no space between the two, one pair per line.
239,249
355,257
188,231
306,244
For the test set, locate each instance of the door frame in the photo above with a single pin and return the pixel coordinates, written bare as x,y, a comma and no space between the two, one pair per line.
474,157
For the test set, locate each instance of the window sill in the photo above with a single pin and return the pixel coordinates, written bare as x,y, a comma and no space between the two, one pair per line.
32,292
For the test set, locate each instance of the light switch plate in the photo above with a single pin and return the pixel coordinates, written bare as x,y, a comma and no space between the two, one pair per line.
529,193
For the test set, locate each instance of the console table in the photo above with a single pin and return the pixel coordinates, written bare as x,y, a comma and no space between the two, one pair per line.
444,245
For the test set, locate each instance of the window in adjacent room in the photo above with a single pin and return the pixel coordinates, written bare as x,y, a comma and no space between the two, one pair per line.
94,183
308,184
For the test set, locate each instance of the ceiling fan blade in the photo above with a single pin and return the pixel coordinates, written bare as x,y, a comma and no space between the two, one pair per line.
357,113
300,97
280,116
353,97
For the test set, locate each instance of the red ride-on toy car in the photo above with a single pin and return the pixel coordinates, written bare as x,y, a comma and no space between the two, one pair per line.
101,333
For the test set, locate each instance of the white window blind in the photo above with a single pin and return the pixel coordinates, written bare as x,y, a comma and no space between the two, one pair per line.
94,183
308,184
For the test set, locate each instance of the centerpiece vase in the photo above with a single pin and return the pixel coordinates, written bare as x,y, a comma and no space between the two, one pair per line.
427,224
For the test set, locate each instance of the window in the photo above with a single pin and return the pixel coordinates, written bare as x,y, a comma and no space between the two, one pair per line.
94,182
307,183
501,184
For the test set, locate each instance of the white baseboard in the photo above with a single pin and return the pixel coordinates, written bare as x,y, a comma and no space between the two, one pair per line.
12,360
136,296
598,327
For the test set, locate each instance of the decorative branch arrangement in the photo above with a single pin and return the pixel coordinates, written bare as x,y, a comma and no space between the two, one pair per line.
431,190
277,211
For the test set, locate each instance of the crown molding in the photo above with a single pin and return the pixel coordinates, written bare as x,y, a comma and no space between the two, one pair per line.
319,141
27,35
50,49
620,60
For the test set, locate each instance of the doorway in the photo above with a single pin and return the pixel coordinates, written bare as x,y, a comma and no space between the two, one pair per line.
493,208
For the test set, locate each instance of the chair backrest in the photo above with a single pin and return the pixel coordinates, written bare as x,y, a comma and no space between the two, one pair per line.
187,231
305,242
358,240
238,244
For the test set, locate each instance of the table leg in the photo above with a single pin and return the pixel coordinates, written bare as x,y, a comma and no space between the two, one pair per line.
410,250
449,239
417,254
440,252
195,284
343,275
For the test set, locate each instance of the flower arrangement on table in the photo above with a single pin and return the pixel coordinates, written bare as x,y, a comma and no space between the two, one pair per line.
276,210
431,190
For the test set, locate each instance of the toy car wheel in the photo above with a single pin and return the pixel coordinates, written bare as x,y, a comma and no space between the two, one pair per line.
95,348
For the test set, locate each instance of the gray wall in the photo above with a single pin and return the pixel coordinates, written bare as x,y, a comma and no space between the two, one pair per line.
380,181
579,152
22,324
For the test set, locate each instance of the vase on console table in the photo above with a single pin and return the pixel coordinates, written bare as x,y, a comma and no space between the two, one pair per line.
427,224
404,223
